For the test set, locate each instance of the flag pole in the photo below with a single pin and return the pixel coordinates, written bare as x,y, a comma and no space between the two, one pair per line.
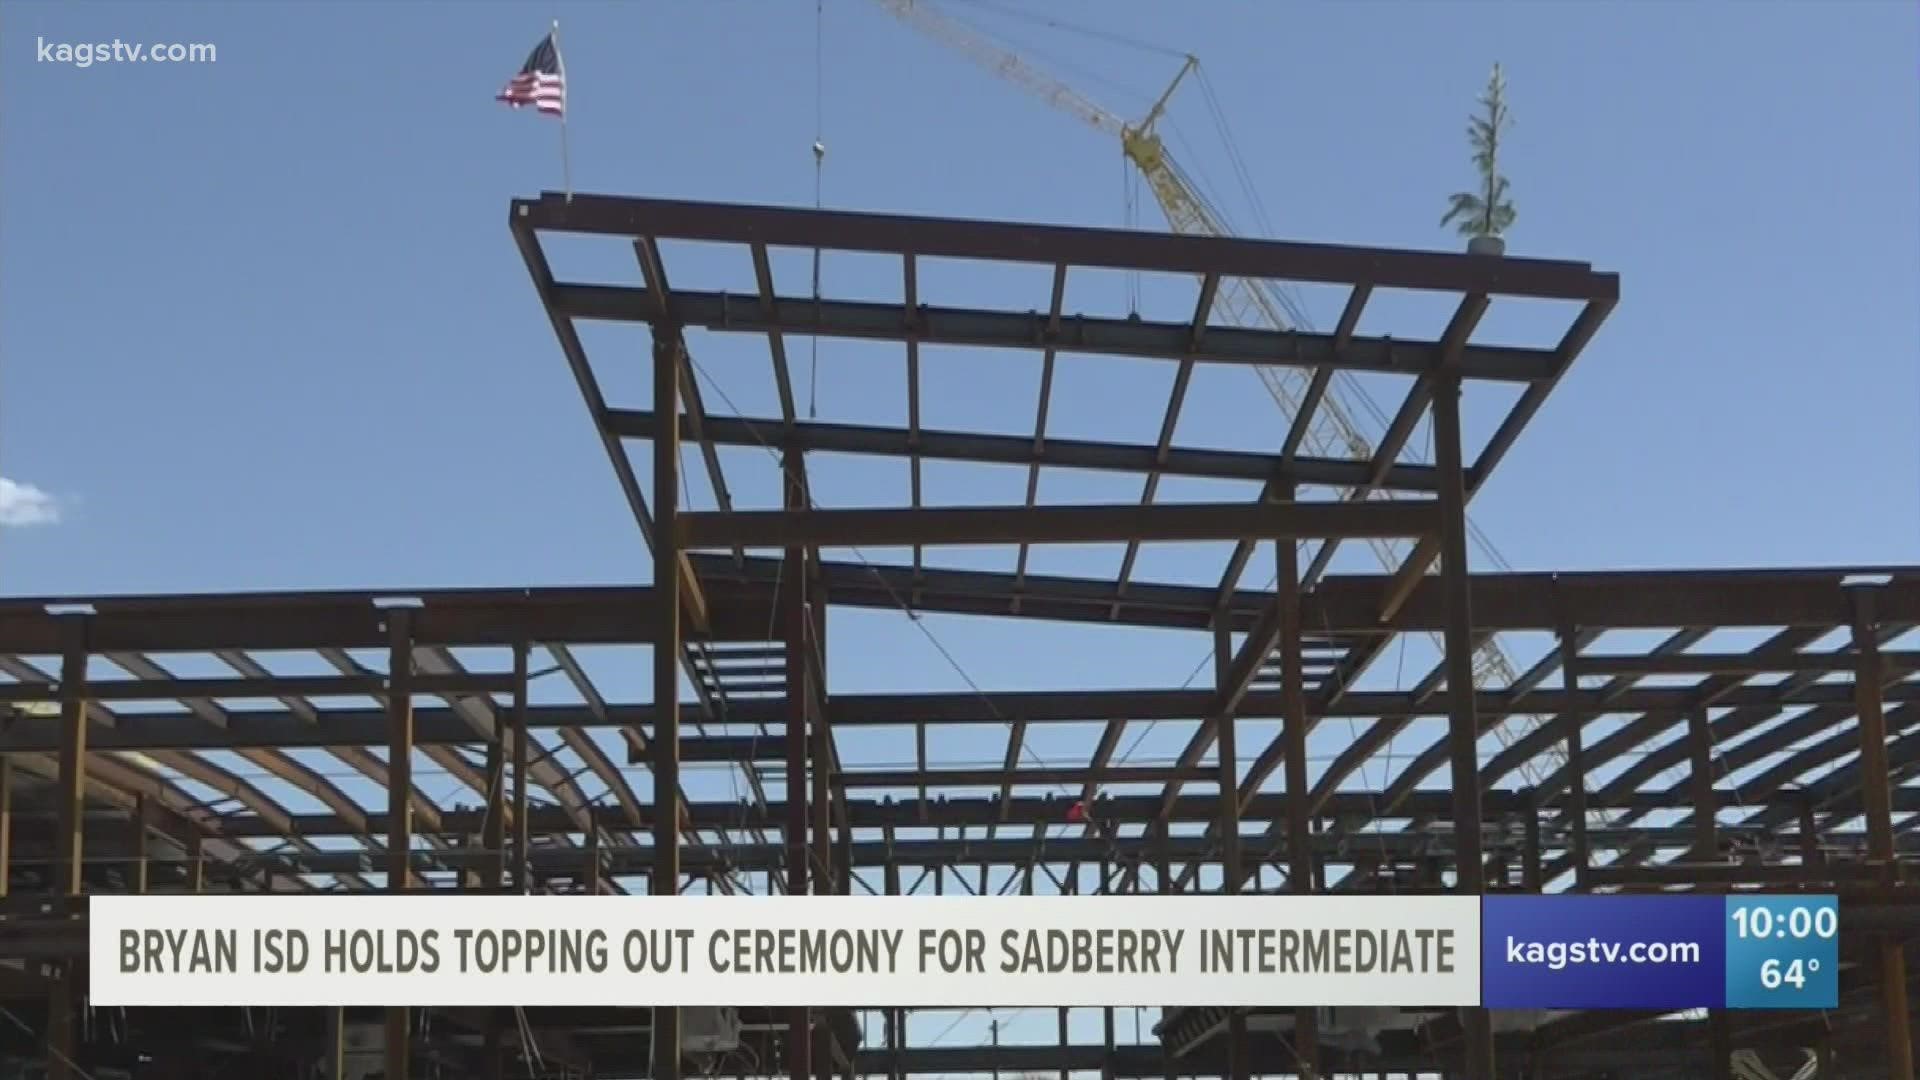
566,162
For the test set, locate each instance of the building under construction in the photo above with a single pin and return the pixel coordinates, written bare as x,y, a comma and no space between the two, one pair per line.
151,735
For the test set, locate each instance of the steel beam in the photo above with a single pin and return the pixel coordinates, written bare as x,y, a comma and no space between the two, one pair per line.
1876,787
667,567
988,449
70,790
1463,726
954,811
172,689
1054,524
1340,604
932,237
399,694
1090,335
1294,727
6,824
148,732
522,770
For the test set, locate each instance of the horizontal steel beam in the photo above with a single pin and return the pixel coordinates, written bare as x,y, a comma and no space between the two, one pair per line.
352,620
967,328
1162,522
270,687
1737,663
933,237
627,859
1115,775
264,728
1024,450
1028,810
1351,604
741,598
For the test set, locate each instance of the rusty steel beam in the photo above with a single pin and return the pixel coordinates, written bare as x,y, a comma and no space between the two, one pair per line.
1342,604
668,565
1024,811
399,868
1085,334
187,689
931,237
436,727
1876,787
793,630
993,778
1053,524
983,448
1351,604
1747,663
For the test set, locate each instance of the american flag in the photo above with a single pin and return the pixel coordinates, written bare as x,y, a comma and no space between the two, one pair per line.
542,82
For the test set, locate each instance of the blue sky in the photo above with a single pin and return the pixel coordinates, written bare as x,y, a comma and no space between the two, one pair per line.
264,326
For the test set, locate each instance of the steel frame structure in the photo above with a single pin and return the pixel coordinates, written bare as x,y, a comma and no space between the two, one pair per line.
1799,749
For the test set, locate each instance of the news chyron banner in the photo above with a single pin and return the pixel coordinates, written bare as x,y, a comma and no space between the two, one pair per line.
783,951
1662,952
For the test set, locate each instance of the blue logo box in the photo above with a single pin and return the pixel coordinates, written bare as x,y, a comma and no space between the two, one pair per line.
1604,952
1783,952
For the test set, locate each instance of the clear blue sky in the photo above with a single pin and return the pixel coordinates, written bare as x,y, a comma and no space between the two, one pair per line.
263,325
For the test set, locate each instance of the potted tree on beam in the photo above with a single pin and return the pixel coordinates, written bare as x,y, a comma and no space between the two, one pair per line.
1483,216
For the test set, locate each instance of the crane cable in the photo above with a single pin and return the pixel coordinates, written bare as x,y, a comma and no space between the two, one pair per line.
819,169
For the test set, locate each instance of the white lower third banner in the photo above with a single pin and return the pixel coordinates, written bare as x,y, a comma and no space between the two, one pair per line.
779,951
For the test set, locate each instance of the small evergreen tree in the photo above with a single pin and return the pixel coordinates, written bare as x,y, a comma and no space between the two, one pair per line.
1486,212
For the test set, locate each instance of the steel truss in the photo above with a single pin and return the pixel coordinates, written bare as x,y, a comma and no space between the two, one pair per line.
1797,751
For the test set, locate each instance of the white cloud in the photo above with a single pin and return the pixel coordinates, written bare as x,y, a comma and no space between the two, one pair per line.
24,504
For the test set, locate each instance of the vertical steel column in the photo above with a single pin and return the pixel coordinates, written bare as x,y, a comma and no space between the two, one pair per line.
1226,750
1163,875
72,782
70,849
493,1060
334,1049
6,824
399,804
1576,720
1706,810
493,828
896,1016
590,878
138,823
1293,706
1065,1072
823,701
1532,877
793,622
196,864
522,751
1876,797
665,880
1720,1042
1463,728
1106,1058
1810,860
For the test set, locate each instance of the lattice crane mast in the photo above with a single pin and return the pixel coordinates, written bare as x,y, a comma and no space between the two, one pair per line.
1244,302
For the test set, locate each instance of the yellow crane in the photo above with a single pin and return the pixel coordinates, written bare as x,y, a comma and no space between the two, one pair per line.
1331,431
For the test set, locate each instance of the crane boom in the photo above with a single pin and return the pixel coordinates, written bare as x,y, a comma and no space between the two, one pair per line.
1255,303
1005,64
